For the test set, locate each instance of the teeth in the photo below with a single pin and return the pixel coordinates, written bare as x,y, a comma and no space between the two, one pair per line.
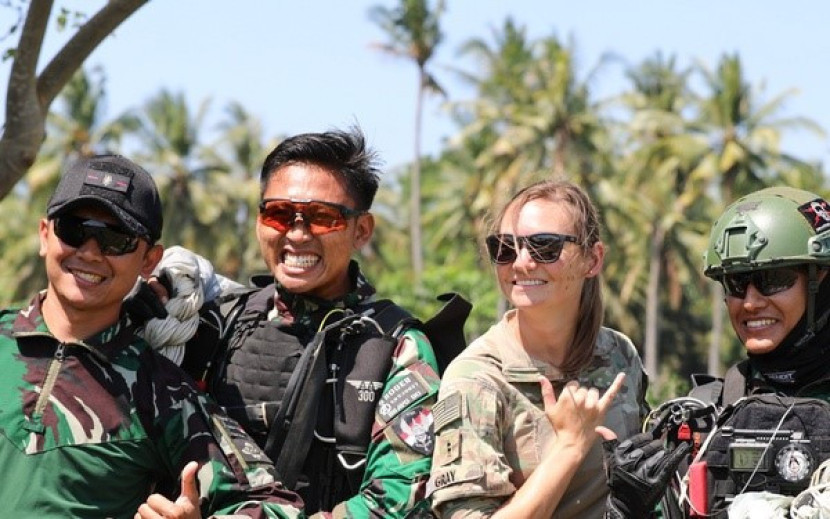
529,282
86,276
300,260
759,323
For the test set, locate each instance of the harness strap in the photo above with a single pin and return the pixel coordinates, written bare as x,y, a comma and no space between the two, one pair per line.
735,383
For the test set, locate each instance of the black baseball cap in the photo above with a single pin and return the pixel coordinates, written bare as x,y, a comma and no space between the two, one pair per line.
116,183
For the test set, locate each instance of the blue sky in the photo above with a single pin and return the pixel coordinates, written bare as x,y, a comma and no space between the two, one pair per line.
308,65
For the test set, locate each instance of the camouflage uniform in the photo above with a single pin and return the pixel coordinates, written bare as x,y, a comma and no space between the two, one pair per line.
491,425
399,454
89,429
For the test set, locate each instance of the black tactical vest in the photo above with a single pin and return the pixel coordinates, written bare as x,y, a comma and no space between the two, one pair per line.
765,442
250,382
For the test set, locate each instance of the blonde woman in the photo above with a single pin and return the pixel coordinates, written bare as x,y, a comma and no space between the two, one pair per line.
505,446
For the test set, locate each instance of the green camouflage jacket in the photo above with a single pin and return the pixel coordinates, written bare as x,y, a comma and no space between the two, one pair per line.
490,424
398,459
90,429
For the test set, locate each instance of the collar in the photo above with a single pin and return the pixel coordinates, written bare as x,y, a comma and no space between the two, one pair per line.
105,344
291,308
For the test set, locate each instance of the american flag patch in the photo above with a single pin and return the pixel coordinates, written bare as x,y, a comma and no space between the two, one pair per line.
447,410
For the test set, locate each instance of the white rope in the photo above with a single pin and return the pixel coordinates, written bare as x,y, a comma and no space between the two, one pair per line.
168,336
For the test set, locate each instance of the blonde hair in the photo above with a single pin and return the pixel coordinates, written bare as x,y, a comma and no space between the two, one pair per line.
587,230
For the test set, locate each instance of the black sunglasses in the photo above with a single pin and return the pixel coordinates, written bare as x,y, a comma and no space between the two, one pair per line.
543,247
113,240
320,217
768,281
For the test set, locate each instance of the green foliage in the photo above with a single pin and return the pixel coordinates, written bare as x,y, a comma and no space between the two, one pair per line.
659,160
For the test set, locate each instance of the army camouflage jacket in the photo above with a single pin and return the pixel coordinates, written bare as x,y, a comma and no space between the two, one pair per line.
92,428
399,459
491,427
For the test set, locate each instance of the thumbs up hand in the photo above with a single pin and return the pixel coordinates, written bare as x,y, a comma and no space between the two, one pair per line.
186,505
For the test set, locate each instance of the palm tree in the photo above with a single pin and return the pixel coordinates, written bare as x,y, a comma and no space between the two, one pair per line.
414,33
745,154
532,117
661,186
538,116
239,153
172,152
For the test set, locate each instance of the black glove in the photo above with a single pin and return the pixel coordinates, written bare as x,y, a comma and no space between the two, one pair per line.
639,470
143,304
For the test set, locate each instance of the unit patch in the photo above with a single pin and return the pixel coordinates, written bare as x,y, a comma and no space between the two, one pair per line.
233,440
403,393
414,427
447,447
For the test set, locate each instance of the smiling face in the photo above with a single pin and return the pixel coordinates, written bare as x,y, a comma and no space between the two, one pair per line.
762,322
303,263
557,286
82,280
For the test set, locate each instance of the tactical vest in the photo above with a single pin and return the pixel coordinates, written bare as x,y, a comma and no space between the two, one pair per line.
760,442
250,381
765,442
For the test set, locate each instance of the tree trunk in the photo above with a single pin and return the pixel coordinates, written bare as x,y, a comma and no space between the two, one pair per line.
658,237
415,189
29,95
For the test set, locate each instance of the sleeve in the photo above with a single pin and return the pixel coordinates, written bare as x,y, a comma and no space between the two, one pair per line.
633,368
399,455
470,476
235,477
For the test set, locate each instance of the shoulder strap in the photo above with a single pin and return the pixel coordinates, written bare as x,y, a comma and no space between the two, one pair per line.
734,383
706,388
445,329
216,322
393,319
295,420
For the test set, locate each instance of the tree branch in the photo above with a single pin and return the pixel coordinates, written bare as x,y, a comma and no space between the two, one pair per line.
70,58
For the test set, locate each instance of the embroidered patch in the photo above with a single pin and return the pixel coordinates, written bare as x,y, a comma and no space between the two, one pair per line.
401,395
414,427
444,477
366,389
447,447
817,214
233,439
447,410
108,180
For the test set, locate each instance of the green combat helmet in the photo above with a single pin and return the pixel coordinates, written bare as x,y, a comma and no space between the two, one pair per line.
773,227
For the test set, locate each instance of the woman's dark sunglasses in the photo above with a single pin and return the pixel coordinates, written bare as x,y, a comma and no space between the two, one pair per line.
768,281
320,217
543,247
113,240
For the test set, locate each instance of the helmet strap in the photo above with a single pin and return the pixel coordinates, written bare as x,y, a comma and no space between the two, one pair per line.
812,291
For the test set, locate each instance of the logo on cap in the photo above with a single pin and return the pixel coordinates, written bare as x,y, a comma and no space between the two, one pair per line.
112,181
817,214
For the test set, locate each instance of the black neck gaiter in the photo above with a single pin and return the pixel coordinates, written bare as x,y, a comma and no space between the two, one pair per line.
801,358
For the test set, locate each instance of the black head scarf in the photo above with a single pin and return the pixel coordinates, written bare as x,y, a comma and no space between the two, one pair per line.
801,358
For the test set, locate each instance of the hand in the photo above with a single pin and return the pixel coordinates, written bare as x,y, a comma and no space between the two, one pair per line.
185,507
161,286
577,415
144,304
639,470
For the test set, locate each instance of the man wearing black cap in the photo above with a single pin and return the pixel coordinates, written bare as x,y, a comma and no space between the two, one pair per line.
92,420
